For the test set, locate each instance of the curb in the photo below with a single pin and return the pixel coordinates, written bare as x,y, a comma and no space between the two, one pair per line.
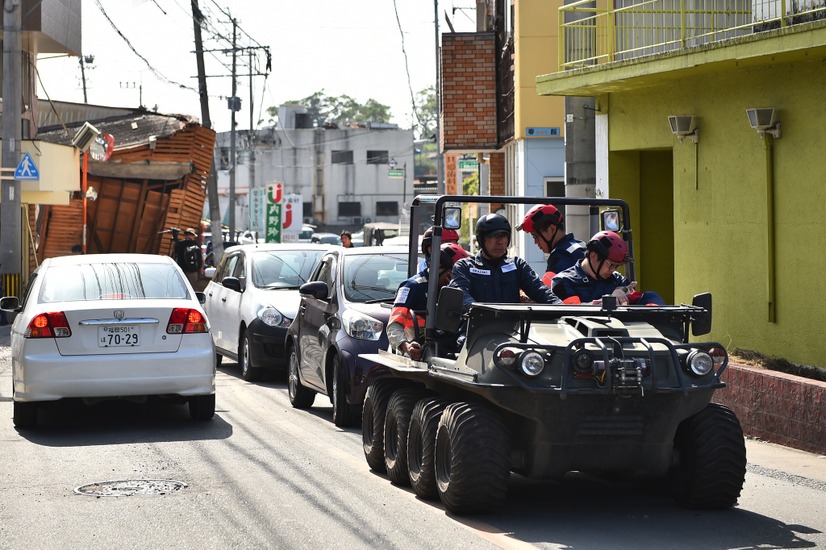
777,407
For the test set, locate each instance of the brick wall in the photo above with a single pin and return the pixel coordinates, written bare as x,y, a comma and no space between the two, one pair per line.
777,407
468,94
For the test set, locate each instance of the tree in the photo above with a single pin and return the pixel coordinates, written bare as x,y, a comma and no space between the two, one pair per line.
425,114
342,110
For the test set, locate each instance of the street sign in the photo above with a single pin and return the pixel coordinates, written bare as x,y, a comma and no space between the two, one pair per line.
395,173
275,197
468,165
542,132
26,170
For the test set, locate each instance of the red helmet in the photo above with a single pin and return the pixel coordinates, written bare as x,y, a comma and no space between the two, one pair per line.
448,236
449,254
609,245
539,217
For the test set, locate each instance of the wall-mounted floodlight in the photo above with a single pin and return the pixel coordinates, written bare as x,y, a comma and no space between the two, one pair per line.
85,136
683,126
764,121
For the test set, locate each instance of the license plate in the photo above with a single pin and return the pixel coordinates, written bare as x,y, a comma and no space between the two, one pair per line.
118,336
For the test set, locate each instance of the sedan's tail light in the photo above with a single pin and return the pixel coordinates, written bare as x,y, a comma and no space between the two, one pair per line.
48,325
186,321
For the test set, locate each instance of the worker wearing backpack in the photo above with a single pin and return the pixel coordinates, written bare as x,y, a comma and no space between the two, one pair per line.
188,256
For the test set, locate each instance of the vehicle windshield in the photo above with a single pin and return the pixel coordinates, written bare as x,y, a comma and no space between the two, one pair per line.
283,268
373,277
112,281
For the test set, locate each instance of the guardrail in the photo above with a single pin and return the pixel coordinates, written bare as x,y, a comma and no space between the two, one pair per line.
593,32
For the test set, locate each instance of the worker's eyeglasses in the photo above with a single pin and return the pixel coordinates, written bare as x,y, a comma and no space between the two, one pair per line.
612,265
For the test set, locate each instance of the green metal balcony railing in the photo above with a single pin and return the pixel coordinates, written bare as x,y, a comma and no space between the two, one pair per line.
601,31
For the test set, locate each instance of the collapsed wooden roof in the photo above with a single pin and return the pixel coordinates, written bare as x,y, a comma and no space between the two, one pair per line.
155,179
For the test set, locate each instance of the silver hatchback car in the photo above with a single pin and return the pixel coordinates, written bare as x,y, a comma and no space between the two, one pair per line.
110,326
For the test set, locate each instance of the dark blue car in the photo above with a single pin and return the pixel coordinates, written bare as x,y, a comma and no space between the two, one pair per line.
343,312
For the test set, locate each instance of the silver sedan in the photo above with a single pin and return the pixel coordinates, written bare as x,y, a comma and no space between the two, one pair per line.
109,326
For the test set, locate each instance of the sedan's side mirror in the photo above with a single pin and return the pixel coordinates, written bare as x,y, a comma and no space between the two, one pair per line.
315,289
201,297
10,303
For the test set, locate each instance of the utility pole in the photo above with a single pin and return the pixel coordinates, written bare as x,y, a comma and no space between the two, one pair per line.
212,181
10,205
440,161
233,105
251,153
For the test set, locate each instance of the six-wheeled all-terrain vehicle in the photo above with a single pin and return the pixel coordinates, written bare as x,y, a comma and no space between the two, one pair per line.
542,390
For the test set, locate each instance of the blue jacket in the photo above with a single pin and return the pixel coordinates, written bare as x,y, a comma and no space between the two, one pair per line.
567,252
574,282
499,281
412,293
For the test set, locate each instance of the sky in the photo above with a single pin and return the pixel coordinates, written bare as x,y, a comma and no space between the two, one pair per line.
143,54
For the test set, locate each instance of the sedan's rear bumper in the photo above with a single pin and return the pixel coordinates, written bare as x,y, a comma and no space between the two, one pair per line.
41,374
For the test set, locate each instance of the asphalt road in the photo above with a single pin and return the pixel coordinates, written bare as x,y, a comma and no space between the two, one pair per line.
263,475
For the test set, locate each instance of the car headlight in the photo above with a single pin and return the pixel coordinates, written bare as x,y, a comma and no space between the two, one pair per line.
360,326
532,363
272,317
699,362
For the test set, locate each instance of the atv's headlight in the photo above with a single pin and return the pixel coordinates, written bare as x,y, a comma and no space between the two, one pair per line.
532,363
699,362
360,326
506,357
272,317
583,364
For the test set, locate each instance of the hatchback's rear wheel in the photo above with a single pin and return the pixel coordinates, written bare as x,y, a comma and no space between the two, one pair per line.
300,397
248,373
202,407
25,414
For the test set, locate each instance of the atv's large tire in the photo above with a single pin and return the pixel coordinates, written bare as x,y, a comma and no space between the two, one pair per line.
710,459
372,422
421,442
396,425
472,461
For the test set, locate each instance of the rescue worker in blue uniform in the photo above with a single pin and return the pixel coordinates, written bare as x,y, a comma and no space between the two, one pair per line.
491,276
404,330
546,225
448,236
595,275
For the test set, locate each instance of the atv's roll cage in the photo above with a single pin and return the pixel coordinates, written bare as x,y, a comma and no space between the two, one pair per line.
438,204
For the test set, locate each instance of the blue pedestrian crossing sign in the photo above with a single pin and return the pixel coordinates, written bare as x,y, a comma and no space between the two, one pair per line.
26,170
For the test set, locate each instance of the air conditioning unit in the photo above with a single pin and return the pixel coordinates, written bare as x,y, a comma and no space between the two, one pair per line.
357,220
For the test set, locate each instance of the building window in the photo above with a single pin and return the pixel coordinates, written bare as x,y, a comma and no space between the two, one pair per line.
554,187
378,157
387,208
349,209
342,157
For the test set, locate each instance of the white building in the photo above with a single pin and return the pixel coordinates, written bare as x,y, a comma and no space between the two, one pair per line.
345,176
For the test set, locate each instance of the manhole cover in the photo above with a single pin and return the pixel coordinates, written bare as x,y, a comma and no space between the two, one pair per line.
129,487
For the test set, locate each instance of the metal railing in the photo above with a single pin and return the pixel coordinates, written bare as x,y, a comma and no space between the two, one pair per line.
601,31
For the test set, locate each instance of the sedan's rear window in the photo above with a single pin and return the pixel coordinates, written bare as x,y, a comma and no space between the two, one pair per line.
373,277
111,281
